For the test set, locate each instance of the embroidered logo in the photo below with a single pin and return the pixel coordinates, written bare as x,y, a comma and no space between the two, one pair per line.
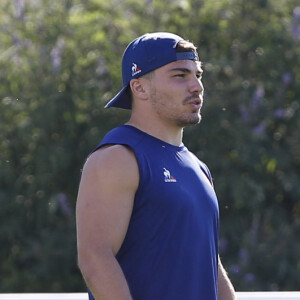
135,70
168,176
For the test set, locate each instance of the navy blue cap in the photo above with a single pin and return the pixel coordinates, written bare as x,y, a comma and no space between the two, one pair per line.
145,54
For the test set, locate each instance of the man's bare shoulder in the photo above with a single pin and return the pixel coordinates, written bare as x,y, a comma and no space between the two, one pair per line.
113,161
105,199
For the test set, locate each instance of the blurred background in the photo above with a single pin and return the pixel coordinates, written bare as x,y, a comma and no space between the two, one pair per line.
60,63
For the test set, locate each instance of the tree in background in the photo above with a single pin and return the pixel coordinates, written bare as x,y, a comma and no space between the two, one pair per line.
60,63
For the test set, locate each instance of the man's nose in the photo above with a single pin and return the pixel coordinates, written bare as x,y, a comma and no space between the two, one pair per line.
196,85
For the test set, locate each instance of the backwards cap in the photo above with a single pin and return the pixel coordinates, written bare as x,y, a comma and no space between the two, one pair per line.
143,55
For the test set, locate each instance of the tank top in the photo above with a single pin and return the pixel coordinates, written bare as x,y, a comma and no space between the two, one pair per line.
170,251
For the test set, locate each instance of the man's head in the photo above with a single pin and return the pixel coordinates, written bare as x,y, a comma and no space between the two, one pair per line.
148,53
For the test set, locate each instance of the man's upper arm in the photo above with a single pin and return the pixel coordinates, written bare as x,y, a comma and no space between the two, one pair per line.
105,199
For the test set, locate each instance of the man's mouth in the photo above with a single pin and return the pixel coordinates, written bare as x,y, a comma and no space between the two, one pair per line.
196,103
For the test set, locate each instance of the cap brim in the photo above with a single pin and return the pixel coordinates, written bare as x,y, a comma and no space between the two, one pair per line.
121,100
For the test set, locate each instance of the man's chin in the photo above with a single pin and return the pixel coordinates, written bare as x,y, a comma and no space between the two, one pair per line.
191,121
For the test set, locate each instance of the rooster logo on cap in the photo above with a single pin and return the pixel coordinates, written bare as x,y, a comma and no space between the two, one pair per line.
135,70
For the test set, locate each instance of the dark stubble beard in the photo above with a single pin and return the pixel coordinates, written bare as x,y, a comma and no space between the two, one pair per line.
185,122
181,121
192,120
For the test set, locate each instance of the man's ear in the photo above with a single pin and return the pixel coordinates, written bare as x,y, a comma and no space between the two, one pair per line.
138,88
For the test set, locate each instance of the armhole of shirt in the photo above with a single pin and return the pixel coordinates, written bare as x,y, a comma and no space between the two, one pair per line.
204,169
106,145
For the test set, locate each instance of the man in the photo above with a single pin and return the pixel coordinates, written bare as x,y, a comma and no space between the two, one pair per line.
147,213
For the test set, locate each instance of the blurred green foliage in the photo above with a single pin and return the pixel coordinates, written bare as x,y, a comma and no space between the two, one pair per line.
60,62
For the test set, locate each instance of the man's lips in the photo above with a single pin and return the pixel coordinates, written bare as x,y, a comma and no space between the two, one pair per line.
196,103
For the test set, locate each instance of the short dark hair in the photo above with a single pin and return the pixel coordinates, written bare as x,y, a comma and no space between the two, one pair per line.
185,46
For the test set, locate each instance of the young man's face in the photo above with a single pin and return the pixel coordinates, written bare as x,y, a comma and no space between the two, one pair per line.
176,93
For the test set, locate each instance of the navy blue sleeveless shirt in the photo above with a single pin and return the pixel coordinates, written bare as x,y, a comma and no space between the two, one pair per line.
170,251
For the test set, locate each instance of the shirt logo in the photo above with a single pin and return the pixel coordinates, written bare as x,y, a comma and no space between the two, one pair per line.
168,176
135,70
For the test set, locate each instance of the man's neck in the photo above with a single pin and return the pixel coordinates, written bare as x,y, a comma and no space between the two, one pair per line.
168,134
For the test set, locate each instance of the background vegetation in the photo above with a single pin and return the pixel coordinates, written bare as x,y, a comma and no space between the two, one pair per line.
60,63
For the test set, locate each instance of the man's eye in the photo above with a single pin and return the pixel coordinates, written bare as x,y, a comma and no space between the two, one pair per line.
179,75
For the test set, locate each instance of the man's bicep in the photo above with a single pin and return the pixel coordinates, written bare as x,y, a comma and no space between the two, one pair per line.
105,198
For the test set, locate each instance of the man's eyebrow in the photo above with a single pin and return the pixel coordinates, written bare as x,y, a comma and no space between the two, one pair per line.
185,70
